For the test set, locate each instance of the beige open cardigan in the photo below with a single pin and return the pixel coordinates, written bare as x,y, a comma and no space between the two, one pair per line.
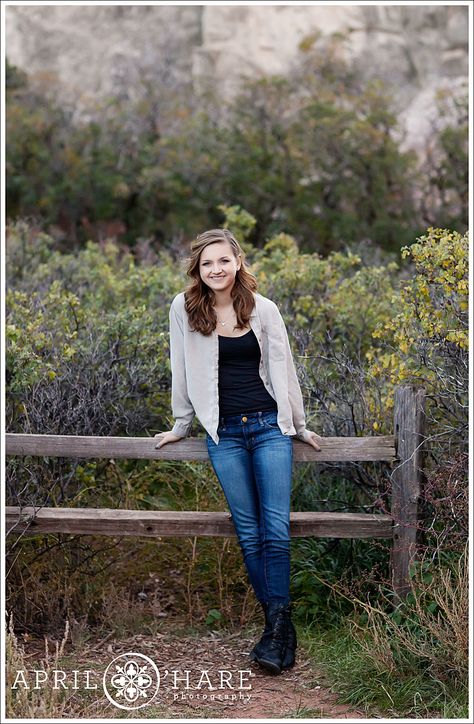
195,368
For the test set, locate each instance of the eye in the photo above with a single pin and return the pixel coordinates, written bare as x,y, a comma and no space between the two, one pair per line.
206,263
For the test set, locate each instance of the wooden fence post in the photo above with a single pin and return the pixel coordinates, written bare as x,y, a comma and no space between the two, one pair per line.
409,424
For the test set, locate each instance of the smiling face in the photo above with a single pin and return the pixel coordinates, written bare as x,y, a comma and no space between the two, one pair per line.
218,266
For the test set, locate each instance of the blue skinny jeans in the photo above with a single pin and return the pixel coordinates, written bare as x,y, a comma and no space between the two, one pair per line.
253,463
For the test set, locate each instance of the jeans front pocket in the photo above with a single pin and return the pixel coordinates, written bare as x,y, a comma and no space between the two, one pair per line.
270,421
271,425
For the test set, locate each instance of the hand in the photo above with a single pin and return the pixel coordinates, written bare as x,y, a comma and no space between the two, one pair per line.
166,437
312,438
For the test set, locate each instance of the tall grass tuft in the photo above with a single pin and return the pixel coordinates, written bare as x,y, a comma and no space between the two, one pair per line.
31,703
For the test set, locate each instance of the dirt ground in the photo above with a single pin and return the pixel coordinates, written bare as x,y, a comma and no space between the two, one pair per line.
295,693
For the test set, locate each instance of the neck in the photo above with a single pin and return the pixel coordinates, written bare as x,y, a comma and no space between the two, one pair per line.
223,299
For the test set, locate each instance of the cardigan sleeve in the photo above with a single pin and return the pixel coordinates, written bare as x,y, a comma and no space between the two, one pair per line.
182,408
294,390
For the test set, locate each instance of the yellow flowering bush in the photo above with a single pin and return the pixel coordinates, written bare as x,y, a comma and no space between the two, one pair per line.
427,335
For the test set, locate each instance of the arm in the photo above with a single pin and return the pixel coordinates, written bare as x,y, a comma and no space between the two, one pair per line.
294,389
181,406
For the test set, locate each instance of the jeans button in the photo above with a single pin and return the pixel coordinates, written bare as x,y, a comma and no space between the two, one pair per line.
244,419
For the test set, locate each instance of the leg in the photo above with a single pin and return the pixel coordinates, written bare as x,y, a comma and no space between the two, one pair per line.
253,462
272,459
232,464
272,464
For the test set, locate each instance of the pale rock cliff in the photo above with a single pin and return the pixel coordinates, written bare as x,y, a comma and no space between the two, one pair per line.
93,51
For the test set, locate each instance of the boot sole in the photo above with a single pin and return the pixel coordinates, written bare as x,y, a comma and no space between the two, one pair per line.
267,665
253,657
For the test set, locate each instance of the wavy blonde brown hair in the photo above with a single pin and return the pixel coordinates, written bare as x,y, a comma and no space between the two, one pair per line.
200,299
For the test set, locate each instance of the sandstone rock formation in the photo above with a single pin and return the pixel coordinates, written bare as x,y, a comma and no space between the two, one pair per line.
93,51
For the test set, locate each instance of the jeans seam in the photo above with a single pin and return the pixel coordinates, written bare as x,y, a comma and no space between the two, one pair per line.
263,540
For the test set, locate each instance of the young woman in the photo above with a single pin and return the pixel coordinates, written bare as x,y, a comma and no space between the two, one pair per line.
232,367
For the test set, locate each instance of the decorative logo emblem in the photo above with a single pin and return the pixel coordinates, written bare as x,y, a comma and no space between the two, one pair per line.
131,681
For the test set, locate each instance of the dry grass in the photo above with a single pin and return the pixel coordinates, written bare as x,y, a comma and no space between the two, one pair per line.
82,579
33,703
432,625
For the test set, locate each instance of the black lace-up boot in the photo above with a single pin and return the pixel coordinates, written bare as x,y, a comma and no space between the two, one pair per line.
272,648
289,658
257,649
291,641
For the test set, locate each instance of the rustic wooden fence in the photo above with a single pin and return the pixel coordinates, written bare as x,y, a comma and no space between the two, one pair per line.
403,450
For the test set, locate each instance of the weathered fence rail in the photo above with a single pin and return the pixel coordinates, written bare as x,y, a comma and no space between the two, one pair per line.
83,446
403,449
108,521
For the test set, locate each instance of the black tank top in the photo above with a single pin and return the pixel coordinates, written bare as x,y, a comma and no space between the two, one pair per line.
240,386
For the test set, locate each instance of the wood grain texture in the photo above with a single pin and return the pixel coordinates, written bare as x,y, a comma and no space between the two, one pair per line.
409,424
333,449
111,522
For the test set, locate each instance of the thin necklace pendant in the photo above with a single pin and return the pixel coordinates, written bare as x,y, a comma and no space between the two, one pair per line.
223,323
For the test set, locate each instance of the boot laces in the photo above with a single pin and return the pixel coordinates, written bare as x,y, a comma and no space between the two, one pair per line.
279,626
